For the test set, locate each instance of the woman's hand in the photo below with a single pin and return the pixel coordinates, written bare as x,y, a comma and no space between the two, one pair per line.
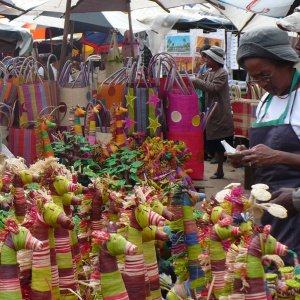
260,156
236,160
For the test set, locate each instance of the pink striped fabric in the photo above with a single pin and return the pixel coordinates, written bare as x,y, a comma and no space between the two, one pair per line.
72,187
257,296
135,265
130,249
155,219
280,249
9,285
33,243
122,296
41,258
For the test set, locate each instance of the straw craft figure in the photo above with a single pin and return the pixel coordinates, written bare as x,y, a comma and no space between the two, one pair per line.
185,246
78,113
150,235
45,279
66,243
96,208
112,245
178,248
21,176
135,270
118,125
44,147
222,230
92,112
15,238
250,278
196,274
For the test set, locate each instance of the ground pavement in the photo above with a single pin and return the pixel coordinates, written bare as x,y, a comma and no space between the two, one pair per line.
212,186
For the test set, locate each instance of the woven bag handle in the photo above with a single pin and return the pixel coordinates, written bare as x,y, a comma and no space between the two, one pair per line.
29,70
63,74
53,110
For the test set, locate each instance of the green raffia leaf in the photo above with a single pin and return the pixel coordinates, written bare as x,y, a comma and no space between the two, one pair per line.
134,177
76,221
77,164
33,186
137,164
3,216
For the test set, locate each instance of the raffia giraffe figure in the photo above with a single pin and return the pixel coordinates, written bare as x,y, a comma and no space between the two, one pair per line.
43,218
118,124
90,127
44,148
135,274
249,281
112,244
15,238
77,112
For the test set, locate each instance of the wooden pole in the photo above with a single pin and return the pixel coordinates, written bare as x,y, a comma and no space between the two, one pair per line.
130,28
63,53
72,33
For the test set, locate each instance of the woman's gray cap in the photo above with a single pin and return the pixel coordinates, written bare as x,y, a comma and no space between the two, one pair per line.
266,42
216,53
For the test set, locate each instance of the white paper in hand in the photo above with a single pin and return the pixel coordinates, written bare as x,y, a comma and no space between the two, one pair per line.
229,149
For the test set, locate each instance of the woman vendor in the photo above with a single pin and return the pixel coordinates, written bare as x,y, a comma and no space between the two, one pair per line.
274,152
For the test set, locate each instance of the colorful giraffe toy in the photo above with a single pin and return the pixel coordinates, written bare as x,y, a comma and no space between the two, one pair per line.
44,146
15,237
112,244
135,274
90,124
75,124
118,124
45,279
249,274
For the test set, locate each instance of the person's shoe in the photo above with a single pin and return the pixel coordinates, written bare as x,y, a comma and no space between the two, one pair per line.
217,176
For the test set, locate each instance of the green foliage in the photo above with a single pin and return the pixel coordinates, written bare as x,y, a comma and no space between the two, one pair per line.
75,151
123,165
3,216
76,221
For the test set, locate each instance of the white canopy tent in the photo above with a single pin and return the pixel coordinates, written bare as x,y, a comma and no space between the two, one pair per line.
244,14
108,20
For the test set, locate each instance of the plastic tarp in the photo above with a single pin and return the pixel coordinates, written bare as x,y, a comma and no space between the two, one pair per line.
110,19
100,41
245,20
94,21
20,38
87,5
271,8
109,5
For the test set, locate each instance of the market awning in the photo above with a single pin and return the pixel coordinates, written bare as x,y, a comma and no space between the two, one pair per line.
15,38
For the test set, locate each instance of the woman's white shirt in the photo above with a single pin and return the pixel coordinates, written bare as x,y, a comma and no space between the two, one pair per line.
277,107
54,70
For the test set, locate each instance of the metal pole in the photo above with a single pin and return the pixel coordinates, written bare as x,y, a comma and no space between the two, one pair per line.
63,53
